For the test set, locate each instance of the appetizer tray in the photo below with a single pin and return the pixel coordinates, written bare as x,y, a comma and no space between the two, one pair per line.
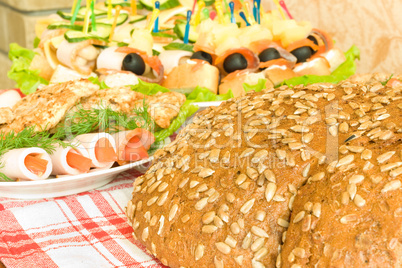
66,185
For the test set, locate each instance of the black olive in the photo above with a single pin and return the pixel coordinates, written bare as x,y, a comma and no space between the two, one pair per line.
234,62
302,53
134,63
312,38
201,55
269,54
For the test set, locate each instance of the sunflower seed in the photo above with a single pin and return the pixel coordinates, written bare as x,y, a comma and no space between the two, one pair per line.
299,252
257,244
223,247
145,234
199,252
201,203
348,218
391,186
270,191
252,173
306,225
283,223
306,170
247,206
356,179
206,172
359,201
185,218
259,231
352,189
281,154
218,263
246,241
270,176
230,241
345,160
209,229
396,172
162,199
366,154
317,177
385,157
317,210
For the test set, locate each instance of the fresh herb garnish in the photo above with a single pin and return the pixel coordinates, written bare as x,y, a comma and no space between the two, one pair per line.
386,81
3,177
28,138
102,118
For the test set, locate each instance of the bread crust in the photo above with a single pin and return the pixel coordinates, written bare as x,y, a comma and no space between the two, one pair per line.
224,193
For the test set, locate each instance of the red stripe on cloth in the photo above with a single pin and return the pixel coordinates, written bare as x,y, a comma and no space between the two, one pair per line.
16,247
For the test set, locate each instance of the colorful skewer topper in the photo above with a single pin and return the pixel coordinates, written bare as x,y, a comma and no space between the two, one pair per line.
243,16
187,32
156,26
219,11
93,19
200,8
283,5
109,9
154,15
116,15
74,11
278,6
133,7
86,19
232,17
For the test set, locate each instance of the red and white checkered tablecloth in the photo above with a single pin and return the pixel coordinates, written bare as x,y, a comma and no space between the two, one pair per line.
89,229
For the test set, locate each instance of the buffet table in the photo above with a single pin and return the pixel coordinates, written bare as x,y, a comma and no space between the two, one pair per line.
89,229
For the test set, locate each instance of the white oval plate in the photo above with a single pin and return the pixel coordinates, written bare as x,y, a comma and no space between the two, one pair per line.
66,185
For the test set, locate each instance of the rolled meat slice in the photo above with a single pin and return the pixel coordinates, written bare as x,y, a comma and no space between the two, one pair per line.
80,56
109,58
252,60
27,164
70,161
153,62
133,145
173,58
260,47
101,148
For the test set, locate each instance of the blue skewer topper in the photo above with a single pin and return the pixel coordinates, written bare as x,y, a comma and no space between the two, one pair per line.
187,33
243,16
232,17
156,24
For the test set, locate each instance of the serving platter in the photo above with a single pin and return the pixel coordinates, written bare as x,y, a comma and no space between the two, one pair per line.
69,185
66,185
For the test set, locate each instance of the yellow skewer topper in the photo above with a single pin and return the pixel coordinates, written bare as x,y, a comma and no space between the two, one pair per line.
280,9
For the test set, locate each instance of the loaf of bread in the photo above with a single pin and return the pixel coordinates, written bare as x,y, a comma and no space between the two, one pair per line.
308,176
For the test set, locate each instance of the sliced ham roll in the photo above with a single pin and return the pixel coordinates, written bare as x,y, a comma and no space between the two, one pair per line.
133,145
70,161
173,58
80,56
27,164
101,148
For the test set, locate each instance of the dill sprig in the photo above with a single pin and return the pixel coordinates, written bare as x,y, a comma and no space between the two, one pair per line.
3,177
28,138
105,119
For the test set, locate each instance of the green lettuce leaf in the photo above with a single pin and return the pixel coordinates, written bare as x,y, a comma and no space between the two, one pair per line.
257,87
27,80
186,111
345,70
148,88
95,80
202,94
